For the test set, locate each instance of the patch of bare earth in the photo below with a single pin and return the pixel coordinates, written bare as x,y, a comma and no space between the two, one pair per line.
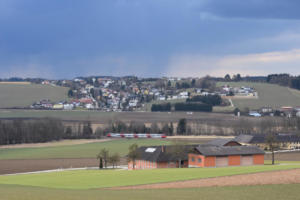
19,166
264,178
32,165
53,144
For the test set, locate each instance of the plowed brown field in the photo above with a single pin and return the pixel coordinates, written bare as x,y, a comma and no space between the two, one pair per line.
276,177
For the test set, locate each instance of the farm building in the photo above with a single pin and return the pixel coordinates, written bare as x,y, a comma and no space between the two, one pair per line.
219,153
162,157
222,156
284,141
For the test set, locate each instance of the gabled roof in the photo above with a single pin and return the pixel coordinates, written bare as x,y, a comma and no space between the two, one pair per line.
164,153
244,138
228,150
221,142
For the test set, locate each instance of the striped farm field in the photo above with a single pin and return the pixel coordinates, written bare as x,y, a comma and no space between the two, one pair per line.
258,192
87,150
89,179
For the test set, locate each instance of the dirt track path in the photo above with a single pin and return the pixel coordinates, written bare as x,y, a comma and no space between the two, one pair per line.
264,178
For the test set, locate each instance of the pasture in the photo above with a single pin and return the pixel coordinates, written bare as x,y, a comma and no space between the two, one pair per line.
268,95
23,95
92,179
88,150
258,192
108,117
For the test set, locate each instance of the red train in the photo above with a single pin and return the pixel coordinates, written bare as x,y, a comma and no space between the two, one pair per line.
136,135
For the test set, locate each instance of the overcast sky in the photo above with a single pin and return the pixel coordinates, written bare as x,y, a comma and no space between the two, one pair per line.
68,38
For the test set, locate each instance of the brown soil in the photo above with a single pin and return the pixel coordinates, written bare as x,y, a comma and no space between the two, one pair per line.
276,177
18,166
53,144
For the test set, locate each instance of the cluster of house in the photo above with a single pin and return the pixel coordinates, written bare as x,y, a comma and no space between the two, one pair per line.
243,91
287,111
87,103
243,150
112,93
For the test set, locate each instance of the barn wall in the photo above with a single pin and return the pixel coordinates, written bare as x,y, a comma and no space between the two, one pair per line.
234,160
162,165
196,163
142,164
258,159
210,161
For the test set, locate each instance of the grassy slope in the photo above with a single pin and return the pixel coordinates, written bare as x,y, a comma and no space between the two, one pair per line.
107,117
88,179
77,151
269,95
259,192
20,95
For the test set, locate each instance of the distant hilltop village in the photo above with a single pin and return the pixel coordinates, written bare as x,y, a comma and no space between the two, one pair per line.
166,94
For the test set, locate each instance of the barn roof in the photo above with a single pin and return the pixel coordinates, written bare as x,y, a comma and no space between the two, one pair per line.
220,142
165,153
228,150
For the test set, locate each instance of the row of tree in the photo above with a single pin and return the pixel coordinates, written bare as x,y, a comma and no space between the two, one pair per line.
135,127
285,80
19,131
164,107
213,100
185,106
280,79
197,107
30,131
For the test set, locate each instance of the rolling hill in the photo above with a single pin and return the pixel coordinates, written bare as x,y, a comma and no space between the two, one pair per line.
24,94
268,95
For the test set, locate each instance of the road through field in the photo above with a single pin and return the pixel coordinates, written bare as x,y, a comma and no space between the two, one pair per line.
263,178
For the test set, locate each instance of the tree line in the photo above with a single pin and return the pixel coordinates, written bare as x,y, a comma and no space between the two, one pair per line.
281,79
213,100
285,80
18,131
184,106
135,127
30,131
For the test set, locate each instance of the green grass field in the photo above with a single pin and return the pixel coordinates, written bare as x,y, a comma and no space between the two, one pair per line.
268,95
77,151
259,192
108,117
23,95
89,179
